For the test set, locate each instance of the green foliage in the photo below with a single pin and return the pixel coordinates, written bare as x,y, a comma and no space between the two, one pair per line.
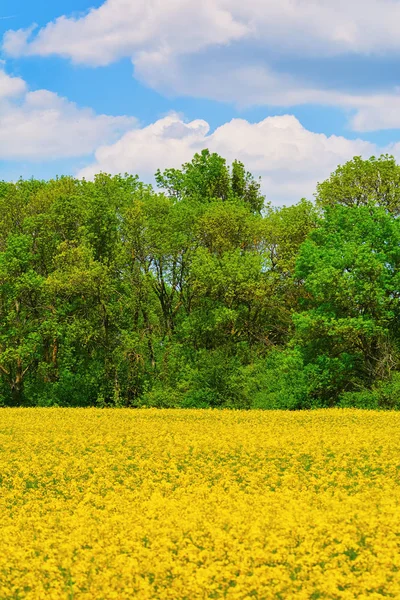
349,327
280,382
383,395
201,295
361,182
208,178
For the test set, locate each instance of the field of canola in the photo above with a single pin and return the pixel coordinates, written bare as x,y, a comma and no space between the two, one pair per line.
186,504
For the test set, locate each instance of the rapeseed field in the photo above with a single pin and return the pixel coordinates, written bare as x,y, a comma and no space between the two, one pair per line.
186,504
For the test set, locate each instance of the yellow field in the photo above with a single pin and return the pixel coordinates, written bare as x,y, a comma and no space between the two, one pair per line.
199,504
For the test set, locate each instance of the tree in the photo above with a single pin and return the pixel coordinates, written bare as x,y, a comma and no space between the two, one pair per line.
349,326
22,314
201,294
208,178
372,182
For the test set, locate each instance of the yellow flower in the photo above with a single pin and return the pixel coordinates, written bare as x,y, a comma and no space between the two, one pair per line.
186,504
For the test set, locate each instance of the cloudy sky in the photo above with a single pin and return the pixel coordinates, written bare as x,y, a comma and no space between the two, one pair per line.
290,87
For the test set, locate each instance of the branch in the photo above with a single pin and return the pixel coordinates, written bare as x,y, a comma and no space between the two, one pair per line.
3,370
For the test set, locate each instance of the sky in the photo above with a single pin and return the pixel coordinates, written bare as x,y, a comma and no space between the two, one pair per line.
291,88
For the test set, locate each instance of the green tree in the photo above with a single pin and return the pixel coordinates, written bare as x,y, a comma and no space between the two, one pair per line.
22,314
359,182
207,178
349,327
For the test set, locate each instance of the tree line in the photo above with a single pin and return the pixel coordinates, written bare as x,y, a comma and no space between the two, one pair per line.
200,293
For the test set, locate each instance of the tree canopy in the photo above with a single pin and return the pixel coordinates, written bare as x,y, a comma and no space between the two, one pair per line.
200,293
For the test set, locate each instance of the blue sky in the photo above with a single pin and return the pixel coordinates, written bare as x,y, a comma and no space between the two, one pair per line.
291,88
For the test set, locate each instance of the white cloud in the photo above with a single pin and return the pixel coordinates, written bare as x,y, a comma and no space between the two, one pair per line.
167,41
10,86
123,28
380,111
289,158
42,125
261,86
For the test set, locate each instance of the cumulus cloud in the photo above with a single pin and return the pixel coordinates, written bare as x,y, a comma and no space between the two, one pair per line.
289,158
123,28
42,125
262,86
381,111
10,86
219,49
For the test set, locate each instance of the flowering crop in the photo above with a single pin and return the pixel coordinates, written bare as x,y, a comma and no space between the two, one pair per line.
186,504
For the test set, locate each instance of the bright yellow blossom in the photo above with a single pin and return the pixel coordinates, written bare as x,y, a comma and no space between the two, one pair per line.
185,504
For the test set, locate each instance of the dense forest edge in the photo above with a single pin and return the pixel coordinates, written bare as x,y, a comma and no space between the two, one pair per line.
200,293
